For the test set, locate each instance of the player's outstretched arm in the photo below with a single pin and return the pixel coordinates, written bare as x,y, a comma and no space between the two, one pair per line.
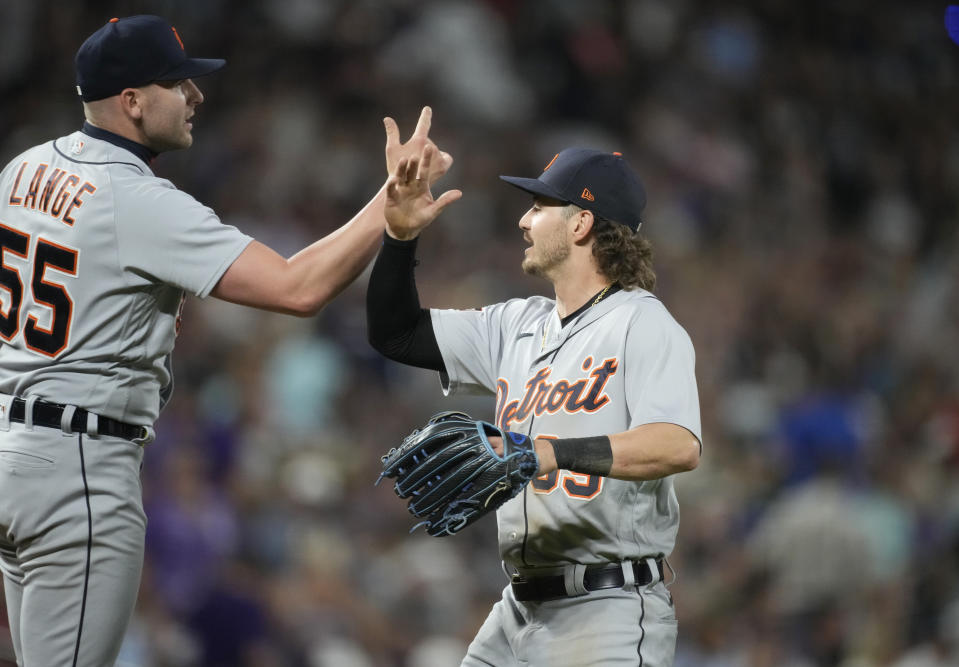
304,283
397,326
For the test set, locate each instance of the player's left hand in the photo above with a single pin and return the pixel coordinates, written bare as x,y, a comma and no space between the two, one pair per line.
418,142
449,474
410,206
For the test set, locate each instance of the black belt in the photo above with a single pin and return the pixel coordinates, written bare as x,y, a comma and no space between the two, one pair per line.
595,577
49,414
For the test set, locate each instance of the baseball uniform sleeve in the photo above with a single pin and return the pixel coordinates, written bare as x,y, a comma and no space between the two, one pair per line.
167,236
471,343
660,372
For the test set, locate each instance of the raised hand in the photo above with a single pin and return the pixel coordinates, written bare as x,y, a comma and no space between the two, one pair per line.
410,206
396,151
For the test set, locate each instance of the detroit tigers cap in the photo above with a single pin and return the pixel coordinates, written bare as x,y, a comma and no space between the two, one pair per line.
601,182
133,52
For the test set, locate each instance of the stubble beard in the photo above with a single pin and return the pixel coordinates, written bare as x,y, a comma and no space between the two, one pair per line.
179,140
171,138
551,255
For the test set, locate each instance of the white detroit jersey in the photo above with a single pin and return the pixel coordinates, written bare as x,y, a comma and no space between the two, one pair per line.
97,254
623,362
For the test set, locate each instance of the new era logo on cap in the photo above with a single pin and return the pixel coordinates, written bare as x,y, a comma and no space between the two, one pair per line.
598,181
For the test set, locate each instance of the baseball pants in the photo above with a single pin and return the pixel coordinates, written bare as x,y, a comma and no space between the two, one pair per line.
606,628
71,543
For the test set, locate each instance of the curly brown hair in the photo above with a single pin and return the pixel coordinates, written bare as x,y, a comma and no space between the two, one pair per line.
622,255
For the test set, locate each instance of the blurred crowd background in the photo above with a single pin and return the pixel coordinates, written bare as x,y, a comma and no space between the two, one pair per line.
802,162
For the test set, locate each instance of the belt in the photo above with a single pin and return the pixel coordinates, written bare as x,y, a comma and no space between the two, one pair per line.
530,588
49,415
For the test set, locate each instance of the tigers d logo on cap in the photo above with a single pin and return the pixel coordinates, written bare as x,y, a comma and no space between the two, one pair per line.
132,52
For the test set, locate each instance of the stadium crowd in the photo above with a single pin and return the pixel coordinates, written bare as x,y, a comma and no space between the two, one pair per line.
802,162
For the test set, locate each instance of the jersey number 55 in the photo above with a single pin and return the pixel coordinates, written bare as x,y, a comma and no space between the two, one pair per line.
48,295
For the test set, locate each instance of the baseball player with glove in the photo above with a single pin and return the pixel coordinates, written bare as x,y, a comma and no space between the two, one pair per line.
596,386
96,256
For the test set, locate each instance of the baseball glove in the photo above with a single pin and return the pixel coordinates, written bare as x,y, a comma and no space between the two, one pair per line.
451,474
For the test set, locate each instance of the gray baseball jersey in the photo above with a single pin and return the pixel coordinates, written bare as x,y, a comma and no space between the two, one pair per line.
97,254
622,363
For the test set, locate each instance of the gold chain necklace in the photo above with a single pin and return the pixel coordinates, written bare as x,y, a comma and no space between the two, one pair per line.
601,294
599,297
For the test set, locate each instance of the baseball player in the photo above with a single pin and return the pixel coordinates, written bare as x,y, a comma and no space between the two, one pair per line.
601,377
96,255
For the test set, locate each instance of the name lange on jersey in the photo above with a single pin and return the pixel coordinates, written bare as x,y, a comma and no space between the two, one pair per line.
56,195
544,397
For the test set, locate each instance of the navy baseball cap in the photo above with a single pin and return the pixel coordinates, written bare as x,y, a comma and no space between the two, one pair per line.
133,52
601,182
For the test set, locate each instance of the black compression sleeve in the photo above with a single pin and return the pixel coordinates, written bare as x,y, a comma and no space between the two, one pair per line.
396,325
590,456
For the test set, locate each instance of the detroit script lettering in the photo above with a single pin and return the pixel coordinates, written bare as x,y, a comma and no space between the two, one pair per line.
544,397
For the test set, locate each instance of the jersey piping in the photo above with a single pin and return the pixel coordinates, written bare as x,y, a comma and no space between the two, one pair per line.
70,159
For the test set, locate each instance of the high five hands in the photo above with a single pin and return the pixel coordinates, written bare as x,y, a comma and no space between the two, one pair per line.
410,206
420,139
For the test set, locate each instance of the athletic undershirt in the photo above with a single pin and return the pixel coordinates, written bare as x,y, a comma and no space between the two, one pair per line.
398,328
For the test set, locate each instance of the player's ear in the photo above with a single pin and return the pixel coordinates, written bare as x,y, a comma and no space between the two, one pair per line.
582,225
131,101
